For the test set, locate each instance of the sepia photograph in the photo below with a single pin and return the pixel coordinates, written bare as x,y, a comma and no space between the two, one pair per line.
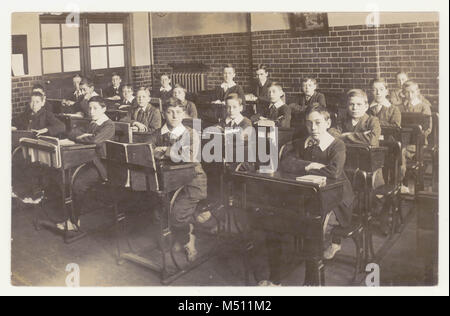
225,149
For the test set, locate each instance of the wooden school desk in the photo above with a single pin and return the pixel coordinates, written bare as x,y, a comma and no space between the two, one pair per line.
64,164
413,127
367,159
133,167
116,115
310,220
73,122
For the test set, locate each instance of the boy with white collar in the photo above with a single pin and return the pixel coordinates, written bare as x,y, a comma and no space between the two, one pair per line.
81,108
98,132
416,103
169,140
358,127
128,97
229,86
318,154
166,90
143,117
115,89
388,114
235,119
277,112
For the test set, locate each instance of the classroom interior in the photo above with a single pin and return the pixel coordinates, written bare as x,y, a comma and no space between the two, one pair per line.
346,53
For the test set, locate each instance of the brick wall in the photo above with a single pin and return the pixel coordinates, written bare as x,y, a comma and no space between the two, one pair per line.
212,50
142,76
21,92
347,57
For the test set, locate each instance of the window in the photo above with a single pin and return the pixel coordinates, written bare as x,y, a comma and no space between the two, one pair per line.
106,45
96,47
60,48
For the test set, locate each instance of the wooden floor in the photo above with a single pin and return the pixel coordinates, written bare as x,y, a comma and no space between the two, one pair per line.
39,258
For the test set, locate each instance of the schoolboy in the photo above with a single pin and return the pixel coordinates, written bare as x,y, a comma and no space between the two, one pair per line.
277,112
387,114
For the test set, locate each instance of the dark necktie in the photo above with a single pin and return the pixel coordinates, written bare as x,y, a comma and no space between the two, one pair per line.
140,115
312,143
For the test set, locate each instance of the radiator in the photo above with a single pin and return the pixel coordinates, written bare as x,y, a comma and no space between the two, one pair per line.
193,82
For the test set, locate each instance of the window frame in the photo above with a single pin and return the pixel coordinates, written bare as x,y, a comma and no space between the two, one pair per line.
84,45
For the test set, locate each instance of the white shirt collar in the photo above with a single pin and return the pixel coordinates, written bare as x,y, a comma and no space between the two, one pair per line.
415,102
237,120
324,142
94,94
278,104
385,103
263,83
166,89
129,100
225,86
102,120
175,133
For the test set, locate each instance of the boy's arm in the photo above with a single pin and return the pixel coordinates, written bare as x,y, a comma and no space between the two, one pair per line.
321,100
335,166
241,94
106,133
19,121
285,117
370,137
396,119
154,122
194,112
292,161
54,125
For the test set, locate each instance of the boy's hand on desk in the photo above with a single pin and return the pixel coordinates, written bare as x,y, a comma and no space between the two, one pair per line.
84,136
160,152
123,106
40,131
114,98
140,127
14,128
345,134
314,166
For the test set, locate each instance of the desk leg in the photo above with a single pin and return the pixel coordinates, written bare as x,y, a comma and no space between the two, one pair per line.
368,239
315,268
165,234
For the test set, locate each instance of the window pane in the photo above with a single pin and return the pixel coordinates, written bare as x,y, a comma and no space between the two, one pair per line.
97,34
99,59
115,34
51,61
50,35
70,36
116,57
71,59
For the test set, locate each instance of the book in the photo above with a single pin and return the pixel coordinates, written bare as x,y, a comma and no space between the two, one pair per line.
312,179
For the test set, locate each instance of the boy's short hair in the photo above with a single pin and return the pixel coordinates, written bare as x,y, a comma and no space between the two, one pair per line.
114,74
127,86
145,89
77,76
277,85
234,96
87,82
171,103
409,84
38,86
165,74
319,109
357,93
180,86
305,80
38,94
262,67
378,80
99,100
229,66
402,72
